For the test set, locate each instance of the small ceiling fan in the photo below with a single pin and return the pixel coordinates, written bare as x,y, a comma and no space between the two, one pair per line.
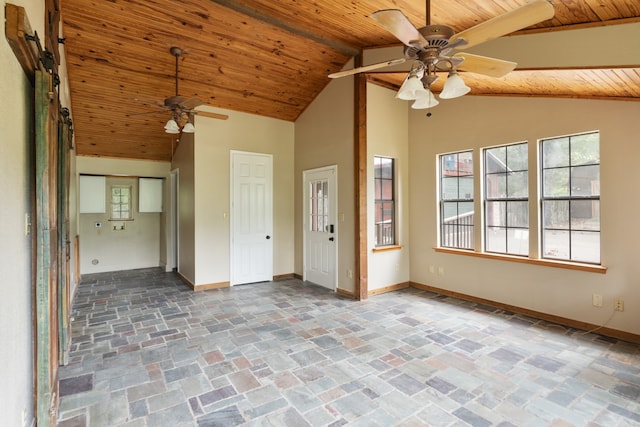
431,47
182,109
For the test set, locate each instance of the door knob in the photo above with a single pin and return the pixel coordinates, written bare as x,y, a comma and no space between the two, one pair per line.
268,237
331,239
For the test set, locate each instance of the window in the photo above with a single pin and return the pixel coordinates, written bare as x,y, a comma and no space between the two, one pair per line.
456,200
570,179
121,202
383,176
506,206
319,206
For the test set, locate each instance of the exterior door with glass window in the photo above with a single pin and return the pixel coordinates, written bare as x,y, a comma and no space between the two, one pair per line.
320,228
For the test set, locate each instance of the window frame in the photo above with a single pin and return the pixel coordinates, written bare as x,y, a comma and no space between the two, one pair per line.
463,231
508,200
569,199
536,219
113,187
380,239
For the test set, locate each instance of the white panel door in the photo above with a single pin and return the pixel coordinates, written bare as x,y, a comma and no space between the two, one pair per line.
251,218
320,227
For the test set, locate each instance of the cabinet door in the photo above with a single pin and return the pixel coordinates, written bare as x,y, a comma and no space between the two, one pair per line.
150,194
92,194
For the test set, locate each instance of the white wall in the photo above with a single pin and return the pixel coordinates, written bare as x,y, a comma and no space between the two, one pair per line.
387,136
475,122
324,136
16,351
138,246
214,140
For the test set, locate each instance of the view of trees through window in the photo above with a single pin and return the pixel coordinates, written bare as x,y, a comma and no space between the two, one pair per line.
569,177
456,200
121,202
507,199
571,197
383,174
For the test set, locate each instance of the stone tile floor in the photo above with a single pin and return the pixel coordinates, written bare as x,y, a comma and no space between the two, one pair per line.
147,351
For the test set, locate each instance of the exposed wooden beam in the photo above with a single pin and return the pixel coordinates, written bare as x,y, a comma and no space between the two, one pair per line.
16,29
256,14
360,181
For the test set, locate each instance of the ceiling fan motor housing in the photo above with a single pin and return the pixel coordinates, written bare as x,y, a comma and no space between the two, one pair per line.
437,37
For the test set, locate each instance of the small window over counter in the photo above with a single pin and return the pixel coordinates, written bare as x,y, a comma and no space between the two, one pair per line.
121,202
150,194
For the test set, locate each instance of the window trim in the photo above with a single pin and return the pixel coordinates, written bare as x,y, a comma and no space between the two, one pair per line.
568,198
394,223
507,199
531,259
441,201
591,268
111,204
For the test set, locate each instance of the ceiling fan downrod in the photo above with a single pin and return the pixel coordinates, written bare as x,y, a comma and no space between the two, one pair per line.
427,12
177,52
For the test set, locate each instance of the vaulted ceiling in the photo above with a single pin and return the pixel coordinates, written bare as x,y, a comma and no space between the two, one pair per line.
272,58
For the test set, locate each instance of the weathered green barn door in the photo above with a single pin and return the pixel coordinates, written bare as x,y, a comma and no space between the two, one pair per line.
46,249
64,243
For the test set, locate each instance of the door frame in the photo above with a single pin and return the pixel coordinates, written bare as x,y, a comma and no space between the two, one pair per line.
173,255
334,208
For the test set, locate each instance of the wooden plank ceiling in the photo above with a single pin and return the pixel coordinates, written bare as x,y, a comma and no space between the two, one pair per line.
271,57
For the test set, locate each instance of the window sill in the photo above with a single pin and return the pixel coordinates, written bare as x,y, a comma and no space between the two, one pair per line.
544,262
387,248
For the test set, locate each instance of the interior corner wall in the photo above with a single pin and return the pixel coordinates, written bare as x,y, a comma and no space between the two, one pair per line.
104,248
183,164
324,135
214,141
476,122
387,136
16,173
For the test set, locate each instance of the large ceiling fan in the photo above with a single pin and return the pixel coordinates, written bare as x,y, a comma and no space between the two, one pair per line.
432,48
182,109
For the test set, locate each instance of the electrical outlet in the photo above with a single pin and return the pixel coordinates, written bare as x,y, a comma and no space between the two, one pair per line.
432,269
597,300
27,224
441,271
618,305
350,273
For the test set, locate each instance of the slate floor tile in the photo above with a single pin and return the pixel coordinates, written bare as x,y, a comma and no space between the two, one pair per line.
407,384
76,384
148,351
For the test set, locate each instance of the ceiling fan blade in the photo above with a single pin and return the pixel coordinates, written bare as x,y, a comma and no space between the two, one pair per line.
484,65
191,103
517,19
367,68
211,115
394,21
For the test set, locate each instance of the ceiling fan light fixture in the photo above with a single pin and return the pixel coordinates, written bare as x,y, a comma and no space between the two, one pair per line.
189,128
454,87
411,88
426,100
171,127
